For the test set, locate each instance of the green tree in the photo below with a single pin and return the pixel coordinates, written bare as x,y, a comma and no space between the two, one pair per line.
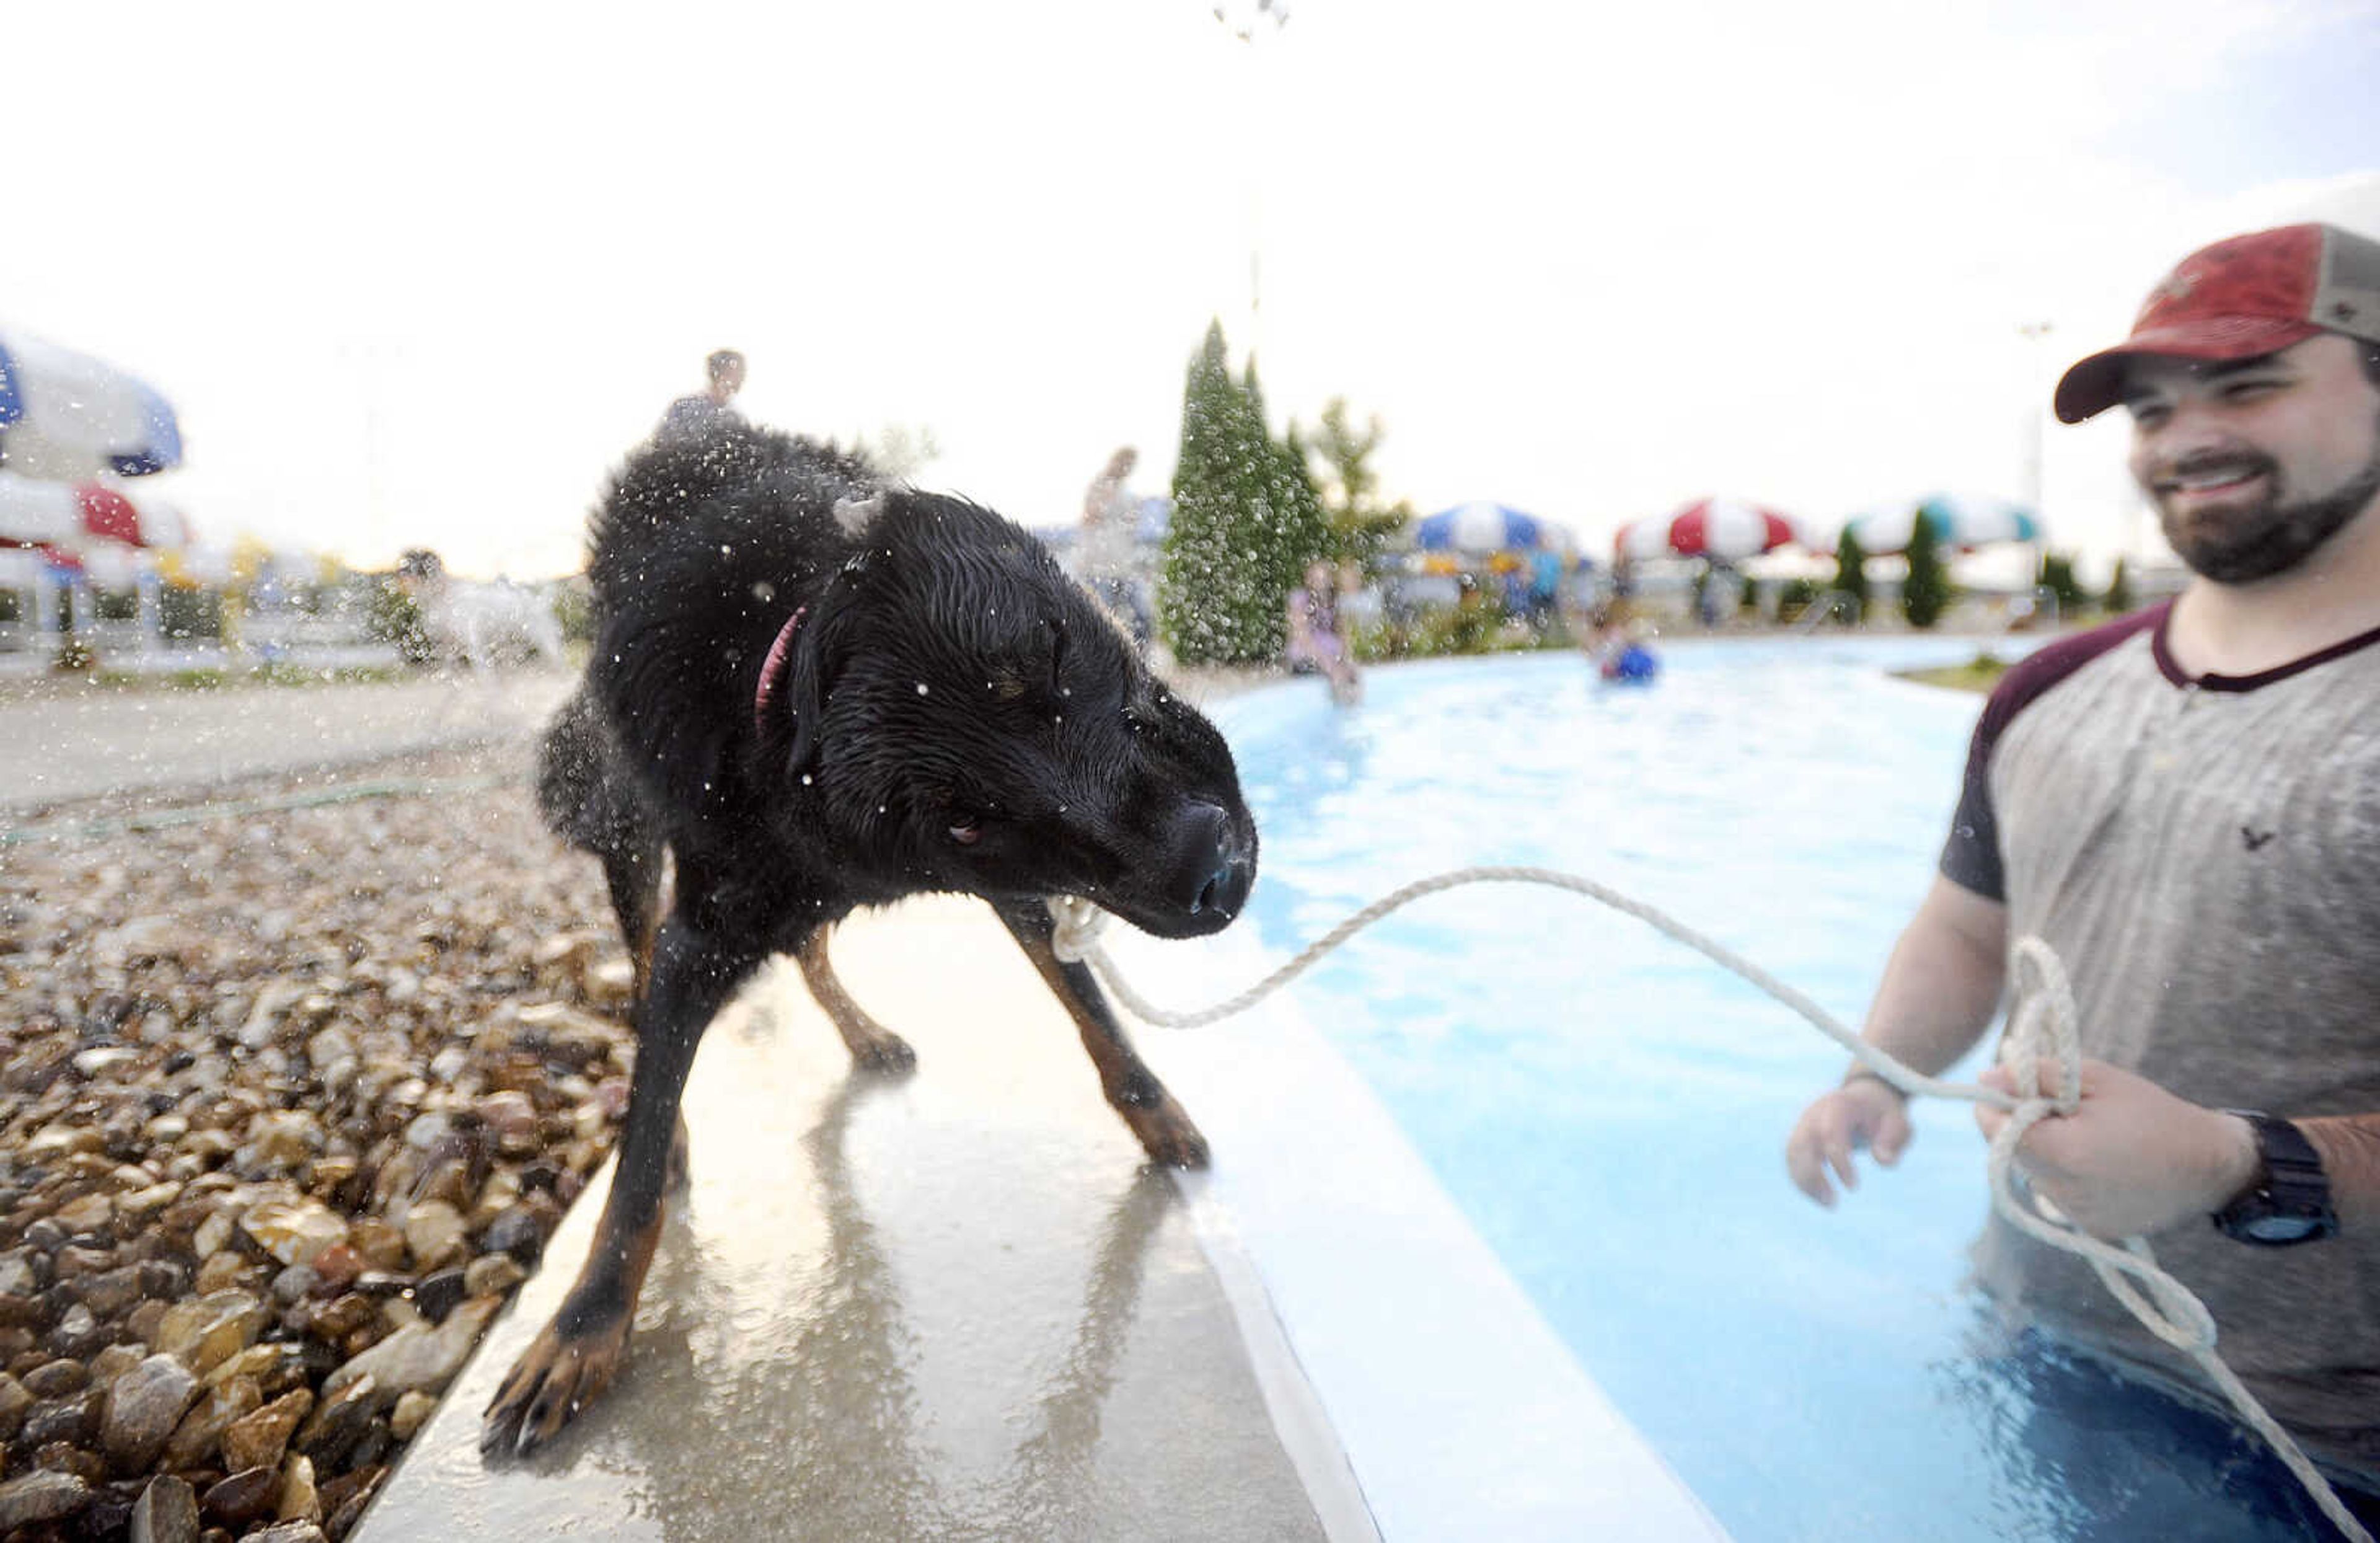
1794,598
2057,576
1360,527
1246,520
1925,593
2118,598
394,617
1850,572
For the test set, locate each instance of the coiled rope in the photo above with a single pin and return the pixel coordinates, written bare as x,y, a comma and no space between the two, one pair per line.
2042,1030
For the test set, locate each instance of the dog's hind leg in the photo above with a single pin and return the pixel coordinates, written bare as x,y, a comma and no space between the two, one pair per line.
633,873
573,1359
872,1044
1164,1128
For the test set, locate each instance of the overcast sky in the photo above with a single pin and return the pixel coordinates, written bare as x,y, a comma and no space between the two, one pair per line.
421,274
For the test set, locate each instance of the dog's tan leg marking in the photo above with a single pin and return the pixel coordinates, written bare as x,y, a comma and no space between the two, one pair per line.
636,884
1164,1128
574,1359
680,1178
872,1044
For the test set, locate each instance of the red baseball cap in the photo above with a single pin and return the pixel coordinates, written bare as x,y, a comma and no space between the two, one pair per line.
2240,298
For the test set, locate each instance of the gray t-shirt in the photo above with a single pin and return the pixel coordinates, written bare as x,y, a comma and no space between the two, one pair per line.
2205,857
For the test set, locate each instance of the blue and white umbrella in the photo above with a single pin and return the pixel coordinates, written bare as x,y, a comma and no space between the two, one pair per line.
1959,520
1482,528
67,417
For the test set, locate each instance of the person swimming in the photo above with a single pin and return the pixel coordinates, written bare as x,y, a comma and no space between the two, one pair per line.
1619,657
1315,645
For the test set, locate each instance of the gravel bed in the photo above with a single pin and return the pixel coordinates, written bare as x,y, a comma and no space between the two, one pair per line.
289,1102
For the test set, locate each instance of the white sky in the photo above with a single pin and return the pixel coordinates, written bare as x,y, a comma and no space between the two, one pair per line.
421,274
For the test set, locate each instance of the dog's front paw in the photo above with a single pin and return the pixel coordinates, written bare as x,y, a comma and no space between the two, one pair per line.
1166,1133
556,1377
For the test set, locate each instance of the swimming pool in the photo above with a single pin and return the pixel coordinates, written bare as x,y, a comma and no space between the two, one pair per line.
1608,1110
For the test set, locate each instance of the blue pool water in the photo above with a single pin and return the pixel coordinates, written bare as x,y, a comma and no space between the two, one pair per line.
1609,1109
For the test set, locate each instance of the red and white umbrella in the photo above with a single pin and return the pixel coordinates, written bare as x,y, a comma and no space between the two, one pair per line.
1724,528
35,512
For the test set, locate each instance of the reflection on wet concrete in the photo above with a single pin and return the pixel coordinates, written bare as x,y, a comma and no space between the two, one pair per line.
954,1306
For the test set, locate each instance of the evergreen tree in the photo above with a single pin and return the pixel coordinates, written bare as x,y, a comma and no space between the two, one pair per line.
2057,576
1851,572
1246,520
1925,593
2118,598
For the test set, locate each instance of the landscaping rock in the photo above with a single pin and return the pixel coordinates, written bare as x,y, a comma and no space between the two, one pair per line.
258,1439
167,1512
42,1495
143,1407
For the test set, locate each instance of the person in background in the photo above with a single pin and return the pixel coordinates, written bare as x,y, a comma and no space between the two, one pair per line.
1618,656
1110,551
1315,644
690,417
2182,805
1545,588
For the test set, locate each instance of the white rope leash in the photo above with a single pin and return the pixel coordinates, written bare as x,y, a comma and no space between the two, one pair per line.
2042,1027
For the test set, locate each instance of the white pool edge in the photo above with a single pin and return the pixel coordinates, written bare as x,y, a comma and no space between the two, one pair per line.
1371,1309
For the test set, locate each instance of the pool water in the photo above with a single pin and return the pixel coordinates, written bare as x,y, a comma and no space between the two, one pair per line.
1609,1109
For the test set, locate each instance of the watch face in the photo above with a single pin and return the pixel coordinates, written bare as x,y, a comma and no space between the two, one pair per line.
2281,1229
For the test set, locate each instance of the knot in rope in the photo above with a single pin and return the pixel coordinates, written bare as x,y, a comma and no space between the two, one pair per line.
2044,1030
1076,924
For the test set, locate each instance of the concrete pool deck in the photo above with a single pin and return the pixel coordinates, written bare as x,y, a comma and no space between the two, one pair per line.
954,1304
958,1306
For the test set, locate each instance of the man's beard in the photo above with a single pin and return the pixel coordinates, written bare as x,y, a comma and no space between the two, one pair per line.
2243,546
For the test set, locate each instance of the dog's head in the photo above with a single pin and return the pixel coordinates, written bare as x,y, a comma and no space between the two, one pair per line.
957,714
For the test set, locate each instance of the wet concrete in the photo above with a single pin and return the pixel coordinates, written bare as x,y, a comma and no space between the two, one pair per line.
62,743
953,1306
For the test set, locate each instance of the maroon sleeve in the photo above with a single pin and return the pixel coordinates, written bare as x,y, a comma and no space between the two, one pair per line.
1970,856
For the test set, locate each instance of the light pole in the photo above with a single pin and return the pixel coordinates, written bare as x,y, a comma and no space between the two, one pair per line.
2033,333
1246,20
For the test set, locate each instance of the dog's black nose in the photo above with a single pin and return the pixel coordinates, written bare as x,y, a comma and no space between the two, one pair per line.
1227,888
1213,864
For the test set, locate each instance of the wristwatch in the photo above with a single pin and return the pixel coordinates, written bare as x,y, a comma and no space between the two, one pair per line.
2289,1200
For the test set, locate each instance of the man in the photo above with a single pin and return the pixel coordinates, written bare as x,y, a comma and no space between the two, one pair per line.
2185,805
1109,560
688,417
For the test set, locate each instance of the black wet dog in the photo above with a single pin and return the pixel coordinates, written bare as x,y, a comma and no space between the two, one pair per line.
819,691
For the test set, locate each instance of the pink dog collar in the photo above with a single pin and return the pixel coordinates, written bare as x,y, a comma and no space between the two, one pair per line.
774,666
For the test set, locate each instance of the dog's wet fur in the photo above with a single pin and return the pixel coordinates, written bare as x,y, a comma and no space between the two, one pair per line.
949,713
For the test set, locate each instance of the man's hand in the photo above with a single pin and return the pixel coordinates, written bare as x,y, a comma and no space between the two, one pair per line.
2131,1158
1863,1112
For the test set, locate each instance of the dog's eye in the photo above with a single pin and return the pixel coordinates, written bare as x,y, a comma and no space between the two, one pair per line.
968,833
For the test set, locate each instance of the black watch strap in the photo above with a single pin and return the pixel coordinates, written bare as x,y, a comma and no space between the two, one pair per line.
2289,1200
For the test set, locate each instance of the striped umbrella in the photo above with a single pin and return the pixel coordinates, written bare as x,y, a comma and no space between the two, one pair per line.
1958,521
1724,528
68,515
68,417
1480,527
